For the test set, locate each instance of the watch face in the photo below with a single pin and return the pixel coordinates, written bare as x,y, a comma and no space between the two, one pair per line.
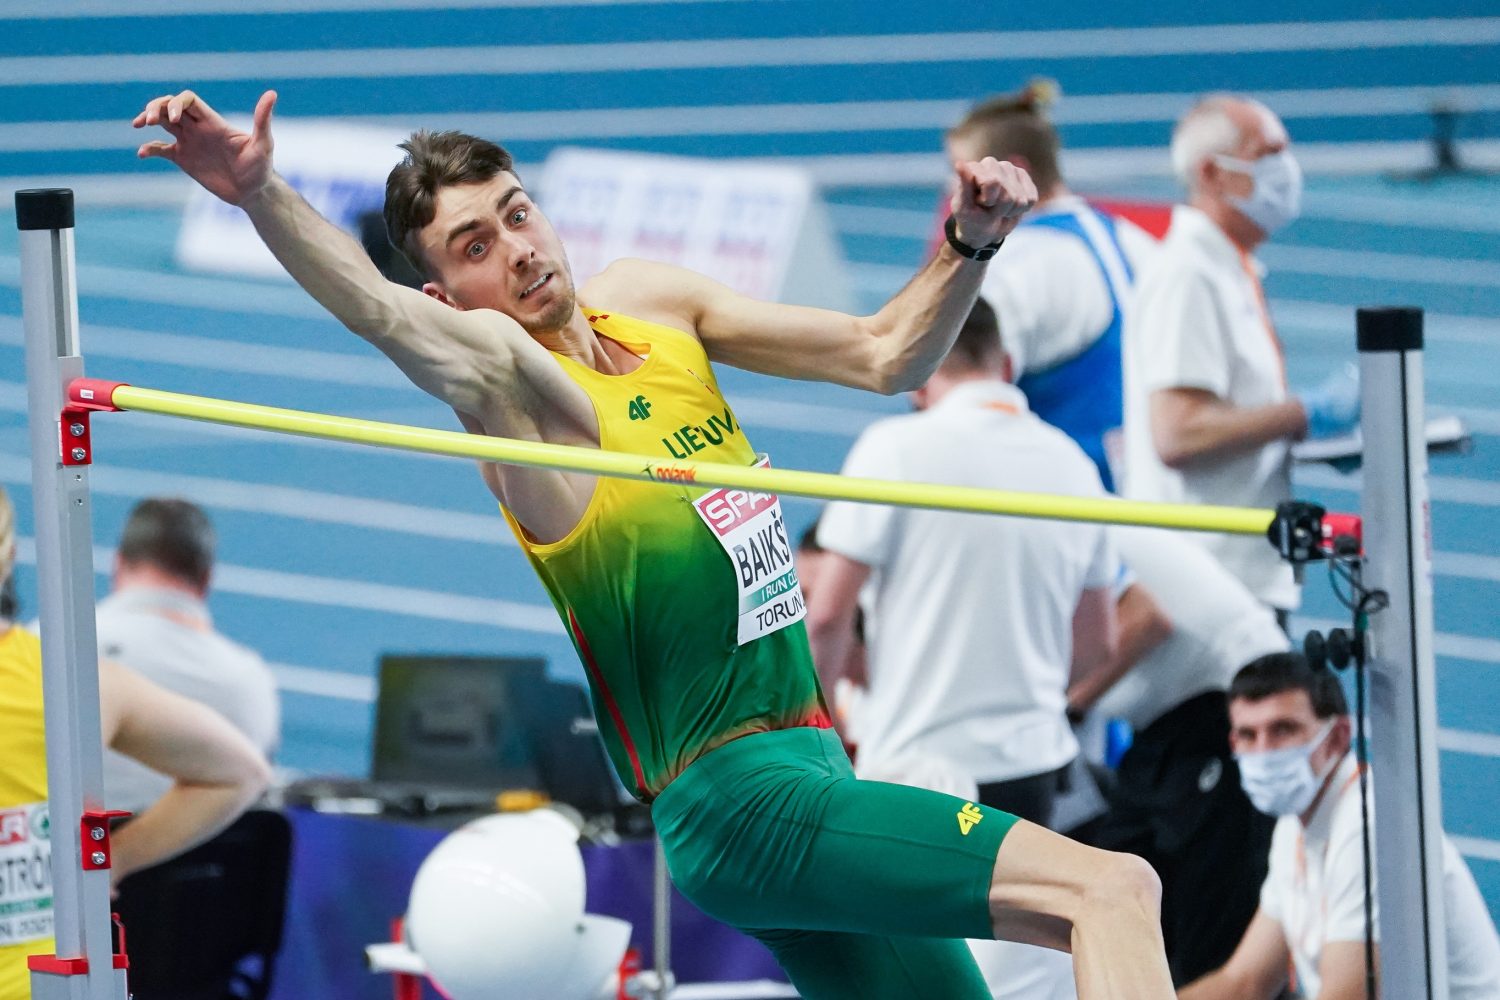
985,253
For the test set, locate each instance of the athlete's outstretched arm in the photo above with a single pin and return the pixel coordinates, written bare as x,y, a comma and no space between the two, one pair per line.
455,355
894,350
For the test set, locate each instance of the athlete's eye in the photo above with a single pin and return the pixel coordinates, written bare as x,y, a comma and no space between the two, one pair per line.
476,248
519,216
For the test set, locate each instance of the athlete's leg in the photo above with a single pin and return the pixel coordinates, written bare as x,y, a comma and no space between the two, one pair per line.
1104,907
830,965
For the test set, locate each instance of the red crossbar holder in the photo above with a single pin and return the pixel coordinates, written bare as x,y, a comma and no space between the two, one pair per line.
85,395
93,838
93,394
1336,528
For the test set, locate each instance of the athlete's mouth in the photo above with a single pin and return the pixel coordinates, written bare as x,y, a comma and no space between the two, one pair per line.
538,283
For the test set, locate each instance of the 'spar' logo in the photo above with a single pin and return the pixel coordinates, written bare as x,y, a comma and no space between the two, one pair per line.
968,818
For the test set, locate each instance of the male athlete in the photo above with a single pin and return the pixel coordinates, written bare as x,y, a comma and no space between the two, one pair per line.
682,605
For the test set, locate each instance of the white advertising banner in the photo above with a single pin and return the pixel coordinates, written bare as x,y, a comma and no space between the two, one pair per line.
758,229
340,169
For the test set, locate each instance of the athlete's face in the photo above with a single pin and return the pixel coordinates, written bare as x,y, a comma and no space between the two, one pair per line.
488,247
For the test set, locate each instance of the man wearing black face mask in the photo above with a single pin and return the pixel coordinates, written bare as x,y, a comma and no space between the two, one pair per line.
1208,415
1289,728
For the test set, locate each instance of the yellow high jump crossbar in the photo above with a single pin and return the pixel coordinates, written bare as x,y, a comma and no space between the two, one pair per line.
95,394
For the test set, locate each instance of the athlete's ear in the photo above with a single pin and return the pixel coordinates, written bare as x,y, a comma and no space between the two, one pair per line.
433,290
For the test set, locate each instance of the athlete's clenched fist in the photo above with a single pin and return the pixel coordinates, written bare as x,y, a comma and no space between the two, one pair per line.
992,196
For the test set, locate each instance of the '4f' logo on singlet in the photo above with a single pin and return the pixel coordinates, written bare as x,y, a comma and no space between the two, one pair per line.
640,409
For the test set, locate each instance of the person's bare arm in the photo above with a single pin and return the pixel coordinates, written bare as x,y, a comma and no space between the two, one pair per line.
1143,626
1191,425
217,772
1256,971
1096,637
1342,971
471,360
830,615
894,350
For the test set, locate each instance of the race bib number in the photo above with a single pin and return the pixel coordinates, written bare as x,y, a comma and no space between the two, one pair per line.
25,874
753,532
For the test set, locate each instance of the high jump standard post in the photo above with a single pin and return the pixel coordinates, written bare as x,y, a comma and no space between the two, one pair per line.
84,966
1397,519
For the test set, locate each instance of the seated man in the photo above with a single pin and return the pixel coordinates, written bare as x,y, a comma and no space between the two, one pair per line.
1289,727
156,622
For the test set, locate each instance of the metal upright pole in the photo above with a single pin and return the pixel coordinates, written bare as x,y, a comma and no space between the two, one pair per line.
83,967
1403,702
661,928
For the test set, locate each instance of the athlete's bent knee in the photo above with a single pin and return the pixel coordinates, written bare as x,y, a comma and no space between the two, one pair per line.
1124,880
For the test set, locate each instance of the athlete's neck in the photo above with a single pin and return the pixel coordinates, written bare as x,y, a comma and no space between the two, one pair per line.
578,341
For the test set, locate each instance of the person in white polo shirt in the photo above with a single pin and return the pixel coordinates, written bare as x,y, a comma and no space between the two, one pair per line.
1186,627
156,621
1208,416
1290,729
972,619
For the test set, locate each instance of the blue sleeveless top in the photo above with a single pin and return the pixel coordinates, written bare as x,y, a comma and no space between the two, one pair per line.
1082,396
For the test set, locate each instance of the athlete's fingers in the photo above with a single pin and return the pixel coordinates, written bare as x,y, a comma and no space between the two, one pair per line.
152,113
177,105
966,182
261,132
159,150
987,186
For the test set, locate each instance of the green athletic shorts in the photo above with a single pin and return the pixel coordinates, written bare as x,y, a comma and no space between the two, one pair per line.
853,885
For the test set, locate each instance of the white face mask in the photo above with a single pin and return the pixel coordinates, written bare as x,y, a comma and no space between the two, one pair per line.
1276,199
1282,782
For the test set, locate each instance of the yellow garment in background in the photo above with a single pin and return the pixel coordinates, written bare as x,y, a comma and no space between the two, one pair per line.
23,823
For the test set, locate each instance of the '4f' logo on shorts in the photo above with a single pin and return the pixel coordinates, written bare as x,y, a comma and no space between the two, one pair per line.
968,818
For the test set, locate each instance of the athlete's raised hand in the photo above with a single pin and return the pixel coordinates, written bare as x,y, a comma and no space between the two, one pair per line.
992,196
231,164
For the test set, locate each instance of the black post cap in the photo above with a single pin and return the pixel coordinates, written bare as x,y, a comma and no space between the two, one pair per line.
1389,328
44,208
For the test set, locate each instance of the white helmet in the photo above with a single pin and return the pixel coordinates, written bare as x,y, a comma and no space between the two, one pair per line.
497,909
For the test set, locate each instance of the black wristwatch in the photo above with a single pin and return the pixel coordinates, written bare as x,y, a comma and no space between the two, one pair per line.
950,228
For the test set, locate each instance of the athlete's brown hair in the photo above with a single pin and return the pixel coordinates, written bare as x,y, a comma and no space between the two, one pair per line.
1013,125
434,160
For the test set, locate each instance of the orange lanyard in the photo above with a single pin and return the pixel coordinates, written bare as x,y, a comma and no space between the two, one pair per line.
1265,312
1349,783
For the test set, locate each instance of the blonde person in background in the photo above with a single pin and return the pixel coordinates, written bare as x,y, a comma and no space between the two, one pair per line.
216,774
1062,295
1208,415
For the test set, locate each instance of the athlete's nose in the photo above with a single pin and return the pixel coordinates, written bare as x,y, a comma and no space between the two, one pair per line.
522,253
